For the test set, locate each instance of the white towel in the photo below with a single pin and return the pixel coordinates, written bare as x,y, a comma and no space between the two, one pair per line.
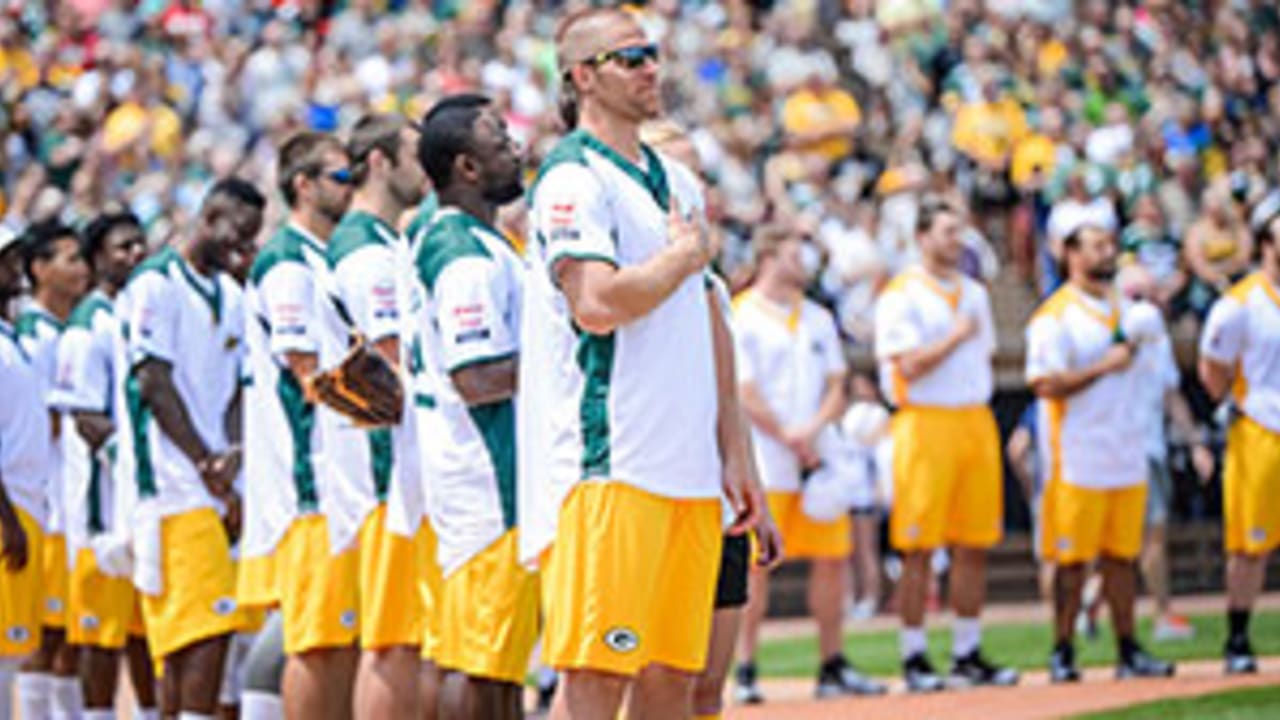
148,573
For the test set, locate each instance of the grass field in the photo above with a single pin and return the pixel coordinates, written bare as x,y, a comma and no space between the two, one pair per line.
1024,646
1251,704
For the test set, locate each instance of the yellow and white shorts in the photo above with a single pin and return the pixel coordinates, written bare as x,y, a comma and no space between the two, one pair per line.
56,579
105,610
947,486
199,596
630,580
257,584
1251,488
430,590
489,616
21,596
1080,524
319,595
804,537
391,600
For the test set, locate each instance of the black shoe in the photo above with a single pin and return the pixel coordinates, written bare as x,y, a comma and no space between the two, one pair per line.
920,675
1140,664
1062,665
837,677
746,691
546,693
973,670
1239,658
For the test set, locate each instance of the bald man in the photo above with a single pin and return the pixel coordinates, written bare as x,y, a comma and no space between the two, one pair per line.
618,383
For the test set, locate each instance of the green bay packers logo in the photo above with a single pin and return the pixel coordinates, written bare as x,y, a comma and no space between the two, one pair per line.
224,606
17,634
622,639
53,605
348,619
89,622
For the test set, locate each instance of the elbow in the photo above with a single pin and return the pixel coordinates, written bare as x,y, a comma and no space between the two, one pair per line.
595,318
1044,388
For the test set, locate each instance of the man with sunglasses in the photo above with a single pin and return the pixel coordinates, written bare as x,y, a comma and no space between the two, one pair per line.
286,556
620,469
371,480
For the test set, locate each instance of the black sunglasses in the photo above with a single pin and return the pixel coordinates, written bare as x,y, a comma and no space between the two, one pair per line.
630,57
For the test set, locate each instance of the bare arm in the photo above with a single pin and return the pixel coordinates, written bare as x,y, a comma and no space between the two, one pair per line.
155,379
389,348
1017,450
757,410
13,539
487,382
1196,261
922,360
731,429
93,427
1216,378
1065,383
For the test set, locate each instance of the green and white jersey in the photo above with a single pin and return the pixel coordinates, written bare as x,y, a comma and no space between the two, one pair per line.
24,430
281,434
637,405
194,323
473,284
38,332
362,292
84,380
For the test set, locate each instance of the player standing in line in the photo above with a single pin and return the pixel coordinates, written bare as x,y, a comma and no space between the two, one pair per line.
104,610
284,528
619,466
24,478
370,492
59,275
934,340
731,583
183,332
791,371
473,282
1240,357
1081,344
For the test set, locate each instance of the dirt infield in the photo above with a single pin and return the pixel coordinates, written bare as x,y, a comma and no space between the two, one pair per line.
1034,698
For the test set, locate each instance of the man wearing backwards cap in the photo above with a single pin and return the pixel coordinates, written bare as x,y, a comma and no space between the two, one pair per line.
1240,354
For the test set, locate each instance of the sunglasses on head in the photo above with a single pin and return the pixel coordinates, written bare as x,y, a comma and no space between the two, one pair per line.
630,57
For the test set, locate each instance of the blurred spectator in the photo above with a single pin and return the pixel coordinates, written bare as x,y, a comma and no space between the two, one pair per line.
1218,249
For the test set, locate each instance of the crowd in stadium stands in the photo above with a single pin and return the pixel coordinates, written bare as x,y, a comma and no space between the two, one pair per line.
1158,119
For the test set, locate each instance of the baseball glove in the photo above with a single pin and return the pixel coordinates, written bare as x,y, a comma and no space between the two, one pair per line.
364,387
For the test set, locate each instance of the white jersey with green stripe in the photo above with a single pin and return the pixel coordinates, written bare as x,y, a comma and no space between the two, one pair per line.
195,324
471,280
24,430
84,378
637,405
38,331
363,291
281,434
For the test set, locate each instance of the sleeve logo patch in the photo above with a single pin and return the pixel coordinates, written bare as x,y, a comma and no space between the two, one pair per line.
475,335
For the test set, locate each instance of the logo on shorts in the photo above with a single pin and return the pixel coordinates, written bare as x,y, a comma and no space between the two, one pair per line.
53,605
89,622
1064,543
347,619
622,639
17,634
1258,535
913,532
224,606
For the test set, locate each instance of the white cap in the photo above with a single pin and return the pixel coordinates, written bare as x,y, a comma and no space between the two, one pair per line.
1267,208
7,237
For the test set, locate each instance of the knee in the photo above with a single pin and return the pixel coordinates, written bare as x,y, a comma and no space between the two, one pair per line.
592,682
707,697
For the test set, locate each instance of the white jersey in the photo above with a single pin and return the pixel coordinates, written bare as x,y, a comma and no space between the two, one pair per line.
84,383
24,430
195,324
1095,437
38,332
1243,331
362,292
281,436
789,354
637,405
473,281
916,310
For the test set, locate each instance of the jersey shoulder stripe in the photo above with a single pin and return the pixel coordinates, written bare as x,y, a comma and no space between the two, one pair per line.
284,246
1054,305
31,320
450,238
357,229
88,308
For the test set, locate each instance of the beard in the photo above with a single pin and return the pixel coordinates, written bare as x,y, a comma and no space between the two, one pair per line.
1102,273
502,194
407,195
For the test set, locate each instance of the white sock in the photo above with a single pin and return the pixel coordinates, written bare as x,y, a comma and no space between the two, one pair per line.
966,635
65,695
912,641
259,705
8,671
184,715
33,695
146,713
99,715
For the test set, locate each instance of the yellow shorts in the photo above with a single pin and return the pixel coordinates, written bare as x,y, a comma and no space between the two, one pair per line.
630,580
1251,488
804,537
431,590
947,484
198,600
1089,522
56,579
391,611
319,598
489,616
257,585
20,595
102,606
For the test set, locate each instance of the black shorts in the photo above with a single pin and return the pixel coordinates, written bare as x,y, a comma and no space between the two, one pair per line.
731,586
